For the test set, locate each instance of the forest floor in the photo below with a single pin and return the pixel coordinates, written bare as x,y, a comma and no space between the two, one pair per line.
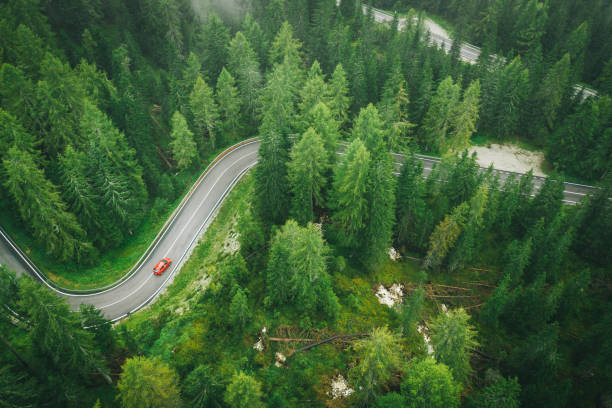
509,158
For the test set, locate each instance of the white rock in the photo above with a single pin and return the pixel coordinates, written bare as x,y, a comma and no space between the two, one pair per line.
394,255
390,296
339,388
259,345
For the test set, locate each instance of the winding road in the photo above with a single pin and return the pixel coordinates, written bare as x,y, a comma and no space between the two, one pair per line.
180,234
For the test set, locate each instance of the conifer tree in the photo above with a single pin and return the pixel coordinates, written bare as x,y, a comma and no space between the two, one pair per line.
464,120
285,46
213,41
439,119
348,198
393,108
370,129
204,110
315,90
307,171
242,62
379,354
239,309
321,120
148,382
445,236
271,184
243,391
229,104
340,101
552,90
42,208
254,34
184,148
427,375
453,340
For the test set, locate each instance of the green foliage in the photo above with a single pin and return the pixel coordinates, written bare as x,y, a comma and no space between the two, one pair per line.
444,237
297,271
379,354
201,389
229,105
453,340
285,47
243,64
339,90
348,196
148,382
306,173
243,391
437,124
430,385
204,111
502,393
184,148
213,41
239,310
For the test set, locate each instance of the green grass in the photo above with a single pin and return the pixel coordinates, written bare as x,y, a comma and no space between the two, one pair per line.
112,264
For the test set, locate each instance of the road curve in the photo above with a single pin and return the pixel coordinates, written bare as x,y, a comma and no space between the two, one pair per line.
176,241
180,234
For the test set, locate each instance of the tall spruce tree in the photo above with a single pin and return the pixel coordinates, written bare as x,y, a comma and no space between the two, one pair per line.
229,105
307,170
204,111
184,148
242,62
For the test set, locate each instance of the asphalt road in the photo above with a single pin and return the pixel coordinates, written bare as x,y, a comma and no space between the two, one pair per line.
182,234
176,243
439,37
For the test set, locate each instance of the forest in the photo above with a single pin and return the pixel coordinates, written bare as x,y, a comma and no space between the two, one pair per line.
109,109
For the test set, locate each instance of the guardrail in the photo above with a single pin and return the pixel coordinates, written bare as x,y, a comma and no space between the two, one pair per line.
39,274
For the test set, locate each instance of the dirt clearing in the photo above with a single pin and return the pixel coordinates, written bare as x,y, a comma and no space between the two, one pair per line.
509,158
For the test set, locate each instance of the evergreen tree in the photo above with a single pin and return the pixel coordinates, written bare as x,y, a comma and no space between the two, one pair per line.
254,34
213,41
393,108
204,110
201,389
239,309
285,47
445,236
314,91
229,105
184,148
453,340
321,120
370,129
379,354
502,393
242,62
430,385
412,214
271,184
464,121
307,171
552,90
348,199
340,101
439,119
147,382
243,391
42,208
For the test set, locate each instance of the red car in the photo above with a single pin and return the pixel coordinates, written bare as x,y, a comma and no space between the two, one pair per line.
162,266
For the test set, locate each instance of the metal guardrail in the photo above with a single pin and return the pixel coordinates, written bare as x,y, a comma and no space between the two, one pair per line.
39,274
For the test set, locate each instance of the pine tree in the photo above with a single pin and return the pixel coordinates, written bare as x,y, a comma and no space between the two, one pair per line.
254,34
370,129
379,354
278,100
239,309
42,208
204,110
377,235
285,46
427,375
202,389
243,391
315,90
148,382
271,184
321,120
339,100
464,121
502,393
438,122
184,148
242,62
348,198
229,104
453,340
393,108
307,170
445,236
552,90
213,41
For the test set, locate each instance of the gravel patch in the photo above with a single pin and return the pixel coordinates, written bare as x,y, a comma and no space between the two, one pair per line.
509,158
